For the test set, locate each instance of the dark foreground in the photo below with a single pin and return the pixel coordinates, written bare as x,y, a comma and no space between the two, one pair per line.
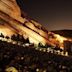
27,59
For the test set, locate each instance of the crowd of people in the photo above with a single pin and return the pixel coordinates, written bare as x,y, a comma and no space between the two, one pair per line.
26,59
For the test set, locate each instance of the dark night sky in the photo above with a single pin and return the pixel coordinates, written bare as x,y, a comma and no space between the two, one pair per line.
52,14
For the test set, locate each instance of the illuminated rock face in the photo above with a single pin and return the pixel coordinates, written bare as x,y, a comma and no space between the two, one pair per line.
11,13
33,30
6,31
11,8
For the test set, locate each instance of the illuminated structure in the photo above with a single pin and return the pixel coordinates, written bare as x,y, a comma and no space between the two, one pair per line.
11,14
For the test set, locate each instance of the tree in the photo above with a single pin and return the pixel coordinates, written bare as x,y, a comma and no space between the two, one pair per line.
2,35
13,37
7,37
